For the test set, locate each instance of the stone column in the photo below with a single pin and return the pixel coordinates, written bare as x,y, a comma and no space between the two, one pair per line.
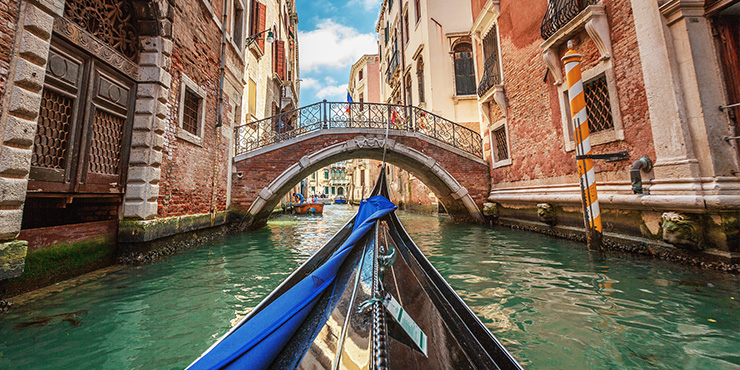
701,85
20,109
671,135
142,186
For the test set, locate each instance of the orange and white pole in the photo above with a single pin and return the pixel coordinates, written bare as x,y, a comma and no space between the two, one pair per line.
579,116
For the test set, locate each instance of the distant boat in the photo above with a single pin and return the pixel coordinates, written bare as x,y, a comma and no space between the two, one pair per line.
340,200
308,208
368,299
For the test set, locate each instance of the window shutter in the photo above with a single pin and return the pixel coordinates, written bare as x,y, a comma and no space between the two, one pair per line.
261,14
464,73
281,59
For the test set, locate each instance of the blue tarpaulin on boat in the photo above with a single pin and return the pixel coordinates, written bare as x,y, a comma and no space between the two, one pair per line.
258,341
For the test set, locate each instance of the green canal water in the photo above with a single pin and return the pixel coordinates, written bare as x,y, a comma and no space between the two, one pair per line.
552,305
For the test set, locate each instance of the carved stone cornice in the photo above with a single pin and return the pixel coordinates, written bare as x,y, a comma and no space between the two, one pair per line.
593,20
80,37
675,10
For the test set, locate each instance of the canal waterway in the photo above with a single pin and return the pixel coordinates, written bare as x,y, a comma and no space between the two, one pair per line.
547,300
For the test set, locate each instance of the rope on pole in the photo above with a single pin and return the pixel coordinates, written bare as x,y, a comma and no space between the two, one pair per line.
579,116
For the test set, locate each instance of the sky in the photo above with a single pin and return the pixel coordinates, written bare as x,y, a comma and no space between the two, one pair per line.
333,35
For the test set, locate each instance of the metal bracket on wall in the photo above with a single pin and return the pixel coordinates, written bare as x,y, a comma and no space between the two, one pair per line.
608,157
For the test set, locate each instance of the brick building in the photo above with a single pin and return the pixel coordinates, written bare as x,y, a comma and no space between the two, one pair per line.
654,74
117,126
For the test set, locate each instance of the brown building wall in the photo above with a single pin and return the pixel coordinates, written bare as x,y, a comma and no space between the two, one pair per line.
534,121
187,185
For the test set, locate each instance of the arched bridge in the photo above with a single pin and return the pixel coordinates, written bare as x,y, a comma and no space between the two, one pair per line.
274,154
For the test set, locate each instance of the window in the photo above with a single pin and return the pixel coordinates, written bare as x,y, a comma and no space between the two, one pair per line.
420,78
362,177
237,30
326,175
408,89
359,75
406,27
333,190
362,100
499,144
252,98
191,112
386,33
464,71
313,176
313,190
257,22
598,106
602,104
491,71
326,190
417,7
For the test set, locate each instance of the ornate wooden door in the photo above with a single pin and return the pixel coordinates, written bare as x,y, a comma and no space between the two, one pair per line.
84,125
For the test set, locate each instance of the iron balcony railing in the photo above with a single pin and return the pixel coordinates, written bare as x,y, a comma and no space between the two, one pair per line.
559,13
328,116
491,75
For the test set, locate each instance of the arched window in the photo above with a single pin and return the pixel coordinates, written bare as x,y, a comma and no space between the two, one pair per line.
420,78
464,71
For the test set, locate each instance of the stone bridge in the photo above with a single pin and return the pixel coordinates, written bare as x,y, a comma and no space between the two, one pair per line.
275,154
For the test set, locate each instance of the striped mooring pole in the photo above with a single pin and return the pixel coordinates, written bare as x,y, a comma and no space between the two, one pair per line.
579,116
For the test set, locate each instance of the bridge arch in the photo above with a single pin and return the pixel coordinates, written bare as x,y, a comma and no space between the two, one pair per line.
264,176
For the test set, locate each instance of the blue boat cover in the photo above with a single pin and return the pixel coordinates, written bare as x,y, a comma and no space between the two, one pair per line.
259,340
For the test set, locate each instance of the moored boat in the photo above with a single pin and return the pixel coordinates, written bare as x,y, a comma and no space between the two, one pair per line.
368,299
308,208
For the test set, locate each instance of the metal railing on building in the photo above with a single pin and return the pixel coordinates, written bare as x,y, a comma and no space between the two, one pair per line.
559,13
328,115
491,75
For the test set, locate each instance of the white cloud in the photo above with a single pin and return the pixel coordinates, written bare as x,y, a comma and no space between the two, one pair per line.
334,45
309,83
333,93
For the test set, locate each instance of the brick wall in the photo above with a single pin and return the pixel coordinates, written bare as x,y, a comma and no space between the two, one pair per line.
8,23
534,122
188,170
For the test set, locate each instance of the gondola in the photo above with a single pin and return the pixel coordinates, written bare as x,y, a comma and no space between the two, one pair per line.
368,299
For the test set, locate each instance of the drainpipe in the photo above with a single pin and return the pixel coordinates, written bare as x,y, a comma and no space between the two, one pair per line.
644,163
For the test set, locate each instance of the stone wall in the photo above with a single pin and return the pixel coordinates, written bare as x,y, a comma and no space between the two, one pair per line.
8,22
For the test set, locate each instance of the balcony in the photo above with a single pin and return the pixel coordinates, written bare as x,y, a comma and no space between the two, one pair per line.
491,75
559,13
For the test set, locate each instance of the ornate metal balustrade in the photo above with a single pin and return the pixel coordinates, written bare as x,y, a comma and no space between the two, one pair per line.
491,76
559,13
327,116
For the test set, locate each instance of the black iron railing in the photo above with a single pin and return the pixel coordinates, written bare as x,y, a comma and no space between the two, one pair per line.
327,116
491,75
559,13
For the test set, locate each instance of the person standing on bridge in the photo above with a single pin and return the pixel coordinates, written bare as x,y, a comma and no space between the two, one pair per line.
422,123
397,116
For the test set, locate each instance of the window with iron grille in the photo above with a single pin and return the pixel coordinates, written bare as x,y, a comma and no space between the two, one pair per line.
599,108
190,112
499,146
491,69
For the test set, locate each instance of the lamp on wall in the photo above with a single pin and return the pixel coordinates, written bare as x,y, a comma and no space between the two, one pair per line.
270,38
